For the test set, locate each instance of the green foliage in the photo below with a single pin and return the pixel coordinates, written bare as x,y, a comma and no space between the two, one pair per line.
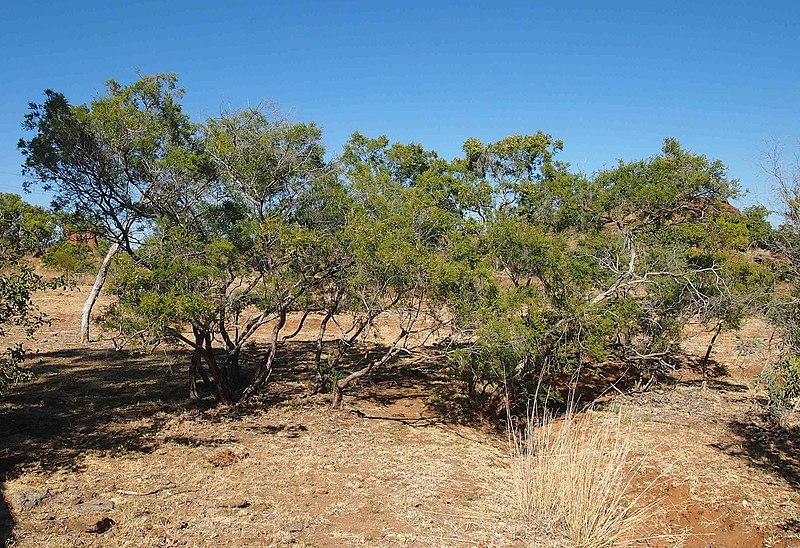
675,186
120,162
527,272
592,271
248,252
128,155
25,229
17,310
70,258
782,381
758,227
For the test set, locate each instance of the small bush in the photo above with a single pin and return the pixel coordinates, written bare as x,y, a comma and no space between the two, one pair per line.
571,477
69,257
18,310
782,381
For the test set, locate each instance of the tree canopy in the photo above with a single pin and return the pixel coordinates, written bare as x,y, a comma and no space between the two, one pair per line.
125,159
510,267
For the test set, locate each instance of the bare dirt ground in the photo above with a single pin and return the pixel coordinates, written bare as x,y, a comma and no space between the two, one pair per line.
104,449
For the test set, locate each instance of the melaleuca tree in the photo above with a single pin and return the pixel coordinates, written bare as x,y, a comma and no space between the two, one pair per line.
400,224
247,258
738,286
679,252
120,161
25,229
593,270
513,328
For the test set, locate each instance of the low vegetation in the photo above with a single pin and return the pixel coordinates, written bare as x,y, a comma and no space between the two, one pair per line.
573,477
24,230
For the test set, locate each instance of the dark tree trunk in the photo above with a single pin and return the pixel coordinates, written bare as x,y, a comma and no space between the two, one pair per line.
265,367
704,363
196,368
321,385
193,395
232,365
221,386
195,365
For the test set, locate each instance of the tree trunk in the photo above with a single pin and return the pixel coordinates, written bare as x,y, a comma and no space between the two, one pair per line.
99,280
336,402
193,395
323,326
265,368
263,374
195,369
340,385
224,393
232,366
704,363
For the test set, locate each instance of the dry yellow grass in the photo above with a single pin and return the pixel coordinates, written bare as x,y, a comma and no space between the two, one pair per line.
572,477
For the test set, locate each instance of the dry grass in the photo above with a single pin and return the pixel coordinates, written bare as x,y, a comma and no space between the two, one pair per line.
572,477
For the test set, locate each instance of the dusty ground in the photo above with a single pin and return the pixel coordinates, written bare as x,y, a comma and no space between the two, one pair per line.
106,442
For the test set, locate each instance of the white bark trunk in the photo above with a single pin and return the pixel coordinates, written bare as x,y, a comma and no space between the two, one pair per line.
98,285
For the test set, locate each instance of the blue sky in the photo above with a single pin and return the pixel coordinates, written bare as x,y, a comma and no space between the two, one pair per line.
611,79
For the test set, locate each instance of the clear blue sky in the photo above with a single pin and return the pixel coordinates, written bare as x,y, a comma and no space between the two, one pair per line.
611,79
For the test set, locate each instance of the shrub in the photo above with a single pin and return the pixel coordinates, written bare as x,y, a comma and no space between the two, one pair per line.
17,310
782,381
70,257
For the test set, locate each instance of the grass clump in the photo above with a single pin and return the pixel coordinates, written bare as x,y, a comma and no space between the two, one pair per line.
571,477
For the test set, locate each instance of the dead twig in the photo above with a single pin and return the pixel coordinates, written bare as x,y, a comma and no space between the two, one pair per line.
144,493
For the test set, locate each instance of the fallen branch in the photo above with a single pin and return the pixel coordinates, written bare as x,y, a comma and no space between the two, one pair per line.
144,493
405,420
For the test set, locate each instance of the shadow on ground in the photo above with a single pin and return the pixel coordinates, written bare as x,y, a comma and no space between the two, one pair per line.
768,446
6,521
88,400
83,400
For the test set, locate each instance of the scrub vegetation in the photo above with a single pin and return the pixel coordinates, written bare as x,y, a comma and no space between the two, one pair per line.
271,272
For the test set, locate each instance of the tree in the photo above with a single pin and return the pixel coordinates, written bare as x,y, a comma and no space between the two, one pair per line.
672,214
125,158
594,270
783,378
284,235
24,230
245,259
397,245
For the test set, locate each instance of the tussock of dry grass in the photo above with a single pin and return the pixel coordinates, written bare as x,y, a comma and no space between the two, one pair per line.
572,477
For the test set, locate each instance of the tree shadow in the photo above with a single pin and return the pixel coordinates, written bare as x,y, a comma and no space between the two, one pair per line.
591,385
97,400
83,400
717,385
294,375
401,380
6,521
766,445
689,370
714,368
